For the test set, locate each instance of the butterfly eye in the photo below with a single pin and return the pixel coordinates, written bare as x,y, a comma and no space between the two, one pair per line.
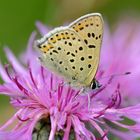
95,84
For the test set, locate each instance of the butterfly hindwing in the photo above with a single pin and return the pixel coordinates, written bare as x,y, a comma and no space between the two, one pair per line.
63,52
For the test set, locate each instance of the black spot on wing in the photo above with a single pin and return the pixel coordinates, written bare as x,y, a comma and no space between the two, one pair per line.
73,54
82,58
55,51
81,28
93,35
80,48
68,53
96,37
89,35
81,69
59,48
73,67
89,65
91,46
85,41
60,62
52,59
71,60
70,44
90,57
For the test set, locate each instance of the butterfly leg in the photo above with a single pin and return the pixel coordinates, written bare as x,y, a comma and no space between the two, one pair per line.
80,92
88,95
63,84
83,92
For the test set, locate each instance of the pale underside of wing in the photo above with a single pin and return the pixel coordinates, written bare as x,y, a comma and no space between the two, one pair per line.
90,29
73,52
65,54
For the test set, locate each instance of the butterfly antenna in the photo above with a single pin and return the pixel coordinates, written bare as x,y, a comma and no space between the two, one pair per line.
111,77
116,75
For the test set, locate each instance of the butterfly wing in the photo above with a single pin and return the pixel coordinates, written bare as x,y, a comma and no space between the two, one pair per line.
62,51
90,29
73,51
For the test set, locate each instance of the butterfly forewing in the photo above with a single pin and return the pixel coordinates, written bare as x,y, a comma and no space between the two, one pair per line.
90,30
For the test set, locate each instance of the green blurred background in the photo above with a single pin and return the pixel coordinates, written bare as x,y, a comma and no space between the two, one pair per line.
17,21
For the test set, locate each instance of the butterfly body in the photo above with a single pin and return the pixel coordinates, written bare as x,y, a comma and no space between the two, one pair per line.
73,51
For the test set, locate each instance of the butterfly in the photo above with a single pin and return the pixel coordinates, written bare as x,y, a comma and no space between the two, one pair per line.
73,51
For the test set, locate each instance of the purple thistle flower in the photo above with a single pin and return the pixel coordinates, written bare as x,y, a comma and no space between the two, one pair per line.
41,97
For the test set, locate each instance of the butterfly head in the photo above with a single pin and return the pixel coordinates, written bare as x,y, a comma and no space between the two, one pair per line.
95,84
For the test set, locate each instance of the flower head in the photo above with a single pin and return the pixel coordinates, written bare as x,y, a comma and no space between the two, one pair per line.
40,97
